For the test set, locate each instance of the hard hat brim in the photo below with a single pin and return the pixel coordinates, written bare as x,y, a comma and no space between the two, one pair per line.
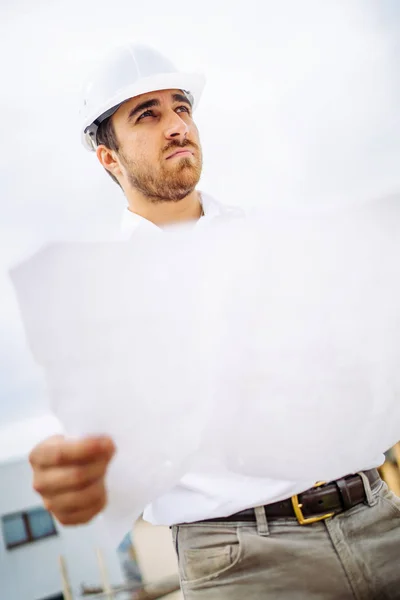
189,82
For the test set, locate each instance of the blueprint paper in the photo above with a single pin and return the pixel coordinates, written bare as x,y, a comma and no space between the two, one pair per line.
271,343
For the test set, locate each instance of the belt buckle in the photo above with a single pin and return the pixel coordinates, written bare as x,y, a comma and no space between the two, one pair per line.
302,520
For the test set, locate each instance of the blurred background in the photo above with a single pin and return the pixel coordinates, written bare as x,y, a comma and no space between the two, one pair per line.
301,106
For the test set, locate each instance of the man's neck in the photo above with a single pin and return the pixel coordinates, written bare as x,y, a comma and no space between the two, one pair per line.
167,212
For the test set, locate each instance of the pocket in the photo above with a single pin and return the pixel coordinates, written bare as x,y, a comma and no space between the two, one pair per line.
391,499
206,553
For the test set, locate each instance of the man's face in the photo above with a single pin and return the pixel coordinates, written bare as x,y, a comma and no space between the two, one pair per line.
159,148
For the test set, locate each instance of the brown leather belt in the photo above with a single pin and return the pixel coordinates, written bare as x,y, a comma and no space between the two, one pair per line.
319,502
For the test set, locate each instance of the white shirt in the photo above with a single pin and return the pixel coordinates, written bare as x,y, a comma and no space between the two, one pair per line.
211,208
212,491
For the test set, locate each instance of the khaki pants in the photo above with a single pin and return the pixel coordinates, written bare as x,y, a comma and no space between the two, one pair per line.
355,554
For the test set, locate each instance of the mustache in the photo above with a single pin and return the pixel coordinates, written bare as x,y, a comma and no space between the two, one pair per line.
180,144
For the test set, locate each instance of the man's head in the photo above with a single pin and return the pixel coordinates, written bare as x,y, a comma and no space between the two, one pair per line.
137,117
151,144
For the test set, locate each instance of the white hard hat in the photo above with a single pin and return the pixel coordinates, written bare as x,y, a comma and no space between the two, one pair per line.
128,71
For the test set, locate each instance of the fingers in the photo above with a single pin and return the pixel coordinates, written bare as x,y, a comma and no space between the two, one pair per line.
68,478
57,451
71,502
81,516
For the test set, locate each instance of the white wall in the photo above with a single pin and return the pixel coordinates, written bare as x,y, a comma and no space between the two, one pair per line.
31,572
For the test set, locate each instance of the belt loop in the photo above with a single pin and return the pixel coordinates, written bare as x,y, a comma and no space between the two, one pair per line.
175,530
344,493
261,518
371,500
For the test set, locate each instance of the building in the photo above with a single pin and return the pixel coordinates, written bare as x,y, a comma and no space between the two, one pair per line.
31,543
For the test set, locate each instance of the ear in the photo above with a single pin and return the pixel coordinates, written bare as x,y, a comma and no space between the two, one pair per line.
109,159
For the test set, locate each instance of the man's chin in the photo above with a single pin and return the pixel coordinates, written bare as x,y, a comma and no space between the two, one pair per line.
177,193
185,178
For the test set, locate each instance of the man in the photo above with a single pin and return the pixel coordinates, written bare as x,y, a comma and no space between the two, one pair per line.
235,536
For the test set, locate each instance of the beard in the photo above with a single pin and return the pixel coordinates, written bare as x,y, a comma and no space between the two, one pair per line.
166,182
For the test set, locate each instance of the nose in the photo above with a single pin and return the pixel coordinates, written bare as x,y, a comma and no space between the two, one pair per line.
176,128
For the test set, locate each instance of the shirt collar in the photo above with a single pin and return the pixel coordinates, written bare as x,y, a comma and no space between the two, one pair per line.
131,221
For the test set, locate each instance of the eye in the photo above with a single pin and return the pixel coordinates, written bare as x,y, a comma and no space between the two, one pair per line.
183,108
147,113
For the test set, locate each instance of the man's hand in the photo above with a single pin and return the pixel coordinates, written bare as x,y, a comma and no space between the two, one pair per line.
69,475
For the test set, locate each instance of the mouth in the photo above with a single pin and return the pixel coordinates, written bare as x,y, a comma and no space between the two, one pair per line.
180,153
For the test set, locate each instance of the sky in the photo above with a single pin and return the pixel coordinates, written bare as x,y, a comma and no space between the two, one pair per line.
301,106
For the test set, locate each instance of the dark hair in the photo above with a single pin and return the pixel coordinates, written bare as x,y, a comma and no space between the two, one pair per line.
106,136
